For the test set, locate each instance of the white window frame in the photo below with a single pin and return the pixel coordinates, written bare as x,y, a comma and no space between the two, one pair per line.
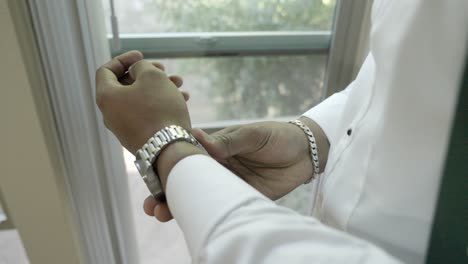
168,45
72,46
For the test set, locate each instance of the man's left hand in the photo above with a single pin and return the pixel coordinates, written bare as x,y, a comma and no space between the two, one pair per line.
137,99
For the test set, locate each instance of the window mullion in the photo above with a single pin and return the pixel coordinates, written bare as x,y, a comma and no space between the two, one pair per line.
225,44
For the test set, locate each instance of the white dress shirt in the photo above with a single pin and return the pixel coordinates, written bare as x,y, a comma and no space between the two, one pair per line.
388,132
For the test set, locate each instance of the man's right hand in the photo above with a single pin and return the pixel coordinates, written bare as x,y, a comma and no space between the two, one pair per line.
273,157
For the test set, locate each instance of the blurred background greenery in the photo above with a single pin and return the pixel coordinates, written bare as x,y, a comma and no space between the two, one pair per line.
225,15
248,87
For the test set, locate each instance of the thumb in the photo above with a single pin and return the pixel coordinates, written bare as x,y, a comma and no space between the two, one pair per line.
157,208
226,143
208,142
162,212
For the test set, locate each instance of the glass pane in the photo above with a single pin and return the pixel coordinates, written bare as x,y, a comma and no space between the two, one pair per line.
235,88
156,16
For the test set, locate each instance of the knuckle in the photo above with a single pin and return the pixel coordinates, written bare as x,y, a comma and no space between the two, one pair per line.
151,73
144,69
139,63
159,65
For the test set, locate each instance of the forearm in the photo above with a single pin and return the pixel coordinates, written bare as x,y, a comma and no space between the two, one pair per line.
179,150
283,236
225,220
173,154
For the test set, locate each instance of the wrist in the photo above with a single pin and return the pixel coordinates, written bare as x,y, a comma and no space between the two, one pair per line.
323,145
171,155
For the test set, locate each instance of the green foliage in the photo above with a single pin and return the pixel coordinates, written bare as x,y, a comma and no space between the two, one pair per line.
241,15
252,87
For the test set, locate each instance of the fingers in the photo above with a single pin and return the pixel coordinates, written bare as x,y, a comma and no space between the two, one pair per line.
115,69
159,65
140,67
225,143
158,209
149,204
128,80
162,212
177,80
207,142
186,95
145,70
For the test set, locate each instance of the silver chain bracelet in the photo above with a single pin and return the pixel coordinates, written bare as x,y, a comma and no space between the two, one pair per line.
312,148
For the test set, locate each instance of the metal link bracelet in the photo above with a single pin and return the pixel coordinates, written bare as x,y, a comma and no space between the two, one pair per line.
312,148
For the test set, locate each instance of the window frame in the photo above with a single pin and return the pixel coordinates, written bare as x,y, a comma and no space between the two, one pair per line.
94,168
203,44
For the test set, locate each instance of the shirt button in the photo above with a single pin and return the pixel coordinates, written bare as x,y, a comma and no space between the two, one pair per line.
349,132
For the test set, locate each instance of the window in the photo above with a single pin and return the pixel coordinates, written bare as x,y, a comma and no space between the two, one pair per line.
220,63
160,16
250,87
240,59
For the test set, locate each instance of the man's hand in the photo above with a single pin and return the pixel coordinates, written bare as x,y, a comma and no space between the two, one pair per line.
270,156
273,157
137,99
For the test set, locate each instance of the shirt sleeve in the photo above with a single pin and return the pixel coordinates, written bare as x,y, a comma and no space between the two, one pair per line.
225,220
327,114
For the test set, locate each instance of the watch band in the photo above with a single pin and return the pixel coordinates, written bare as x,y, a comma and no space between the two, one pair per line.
149,152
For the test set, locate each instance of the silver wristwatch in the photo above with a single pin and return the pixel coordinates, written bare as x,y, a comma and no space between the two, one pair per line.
147,155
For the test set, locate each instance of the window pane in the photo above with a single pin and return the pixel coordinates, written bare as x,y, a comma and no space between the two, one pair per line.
156,16
234,88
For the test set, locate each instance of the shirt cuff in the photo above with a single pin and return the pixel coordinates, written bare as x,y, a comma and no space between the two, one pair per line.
327,114
200,193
